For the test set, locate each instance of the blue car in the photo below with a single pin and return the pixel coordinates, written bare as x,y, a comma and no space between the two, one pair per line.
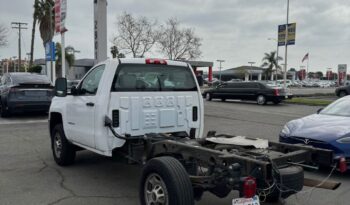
329,128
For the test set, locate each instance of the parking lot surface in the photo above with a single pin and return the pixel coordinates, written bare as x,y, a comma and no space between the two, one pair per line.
28,174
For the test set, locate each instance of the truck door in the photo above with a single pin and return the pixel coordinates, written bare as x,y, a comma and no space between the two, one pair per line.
81,109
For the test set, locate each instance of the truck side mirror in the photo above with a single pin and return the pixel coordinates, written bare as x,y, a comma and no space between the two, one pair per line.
319,110
61,87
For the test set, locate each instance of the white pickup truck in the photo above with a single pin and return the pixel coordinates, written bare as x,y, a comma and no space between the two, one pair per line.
150,111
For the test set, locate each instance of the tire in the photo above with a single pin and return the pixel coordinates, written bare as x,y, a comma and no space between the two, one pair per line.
261,100
63,151
342,94
4,111
276,102
291,180
208,97
165,176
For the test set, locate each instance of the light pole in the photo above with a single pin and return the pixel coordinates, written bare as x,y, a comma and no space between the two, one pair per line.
274,39
220,61
251,68
286,51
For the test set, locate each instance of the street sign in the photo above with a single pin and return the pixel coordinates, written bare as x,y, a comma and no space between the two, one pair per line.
282,34
50,51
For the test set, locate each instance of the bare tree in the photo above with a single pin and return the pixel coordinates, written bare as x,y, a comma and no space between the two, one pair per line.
177,43
3,35
135,35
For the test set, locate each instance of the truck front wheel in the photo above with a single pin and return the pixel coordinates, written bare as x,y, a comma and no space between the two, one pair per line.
63,151
165,181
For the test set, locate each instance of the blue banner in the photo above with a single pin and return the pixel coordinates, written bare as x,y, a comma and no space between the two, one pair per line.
50,51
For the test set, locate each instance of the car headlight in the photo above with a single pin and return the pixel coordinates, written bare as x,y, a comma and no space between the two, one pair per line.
345,140
285,131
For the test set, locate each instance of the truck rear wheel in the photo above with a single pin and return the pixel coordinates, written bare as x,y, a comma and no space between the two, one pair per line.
164,181
63,151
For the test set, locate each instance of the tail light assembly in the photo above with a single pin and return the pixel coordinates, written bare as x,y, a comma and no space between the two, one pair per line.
342,165
276,92
249,187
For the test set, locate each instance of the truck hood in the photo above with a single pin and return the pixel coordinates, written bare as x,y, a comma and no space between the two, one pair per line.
320,127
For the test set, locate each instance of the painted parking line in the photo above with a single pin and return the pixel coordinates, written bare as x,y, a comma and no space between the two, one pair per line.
11,122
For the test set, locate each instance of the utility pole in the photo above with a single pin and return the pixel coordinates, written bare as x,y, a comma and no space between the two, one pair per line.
19,26
220,61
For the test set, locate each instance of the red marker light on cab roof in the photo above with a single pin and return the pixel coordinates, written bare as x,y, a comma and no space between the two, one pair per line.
156,61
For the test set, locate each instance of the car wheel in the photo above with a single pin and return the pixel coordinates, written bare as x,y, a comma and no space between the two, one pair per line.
261,100
208,97
164,181
5,112
342,94
63,151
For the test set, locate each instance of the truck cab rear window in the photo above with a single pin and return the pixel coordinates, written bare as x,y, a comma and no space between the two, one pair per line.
151,77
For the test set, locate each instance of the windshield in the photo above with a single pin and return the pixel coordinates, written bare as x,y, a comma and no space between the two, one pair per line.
150,77
340,108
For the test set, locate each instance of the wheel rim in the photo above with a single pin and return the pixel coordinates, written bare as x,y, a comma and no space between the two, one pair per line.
207,96
261,99
155,191
57,145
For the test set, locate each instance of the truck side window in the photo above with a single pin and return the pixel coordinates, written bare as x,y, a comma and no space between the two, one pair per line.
90,83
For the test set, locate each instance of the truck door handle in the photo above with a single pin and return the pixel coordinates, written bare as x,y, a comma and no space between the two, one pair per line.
90,104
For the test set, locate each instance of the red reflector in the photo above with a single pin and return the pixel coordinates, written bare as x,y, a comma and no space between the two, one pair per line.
156,61
249,187
342,165
276,92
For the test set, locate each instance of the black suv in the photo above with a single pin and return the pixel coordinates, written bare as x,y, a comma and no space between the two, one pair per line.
257,91
342,91
24,92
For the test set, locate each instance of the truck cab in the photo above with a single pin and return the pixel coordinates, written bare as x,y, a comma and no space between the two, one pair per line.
140,96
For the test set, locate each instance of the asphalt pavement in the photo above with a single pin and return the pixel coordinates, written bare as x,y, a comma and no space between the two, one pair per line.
28,174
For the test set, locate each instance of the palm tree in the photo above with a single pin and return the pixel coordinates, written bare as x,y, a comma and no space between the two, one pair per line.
44,15
70,58
35,19
270,63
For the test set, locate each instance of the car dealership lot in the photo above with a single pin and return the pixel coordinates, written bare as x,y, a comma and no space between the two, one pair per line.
28,174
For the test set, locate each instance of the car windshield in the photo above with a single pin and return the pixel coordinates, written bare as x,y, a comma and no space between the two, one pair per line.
340,108
29,79
151,77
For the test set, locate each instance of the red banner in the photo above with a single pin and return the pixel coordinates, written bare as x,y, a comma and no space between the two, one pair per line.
58,16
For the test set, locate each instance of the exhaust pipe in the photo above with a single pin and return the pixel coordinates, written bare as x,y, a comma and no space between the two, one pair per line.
331,185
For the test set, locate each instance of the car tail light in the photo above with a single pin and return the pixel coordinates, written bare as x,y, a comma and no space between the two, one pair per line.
156,61
276,92
249,187
342,165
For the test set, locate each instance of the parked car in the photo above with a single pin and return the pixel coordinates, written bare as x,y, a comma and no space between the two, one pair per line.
257,91
328,129
342,91
21,92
